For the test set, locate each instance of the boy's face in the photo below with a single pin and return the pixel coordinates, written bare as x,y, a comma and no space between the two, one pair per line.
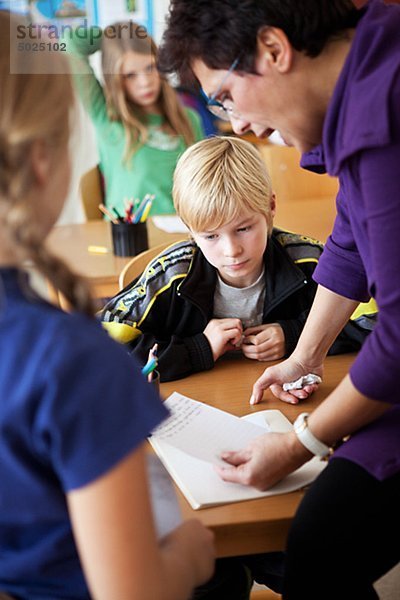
236,249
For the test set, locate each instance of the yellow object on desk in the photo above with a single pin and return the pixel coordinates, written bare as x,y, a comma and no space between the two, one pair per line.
71,243
98,249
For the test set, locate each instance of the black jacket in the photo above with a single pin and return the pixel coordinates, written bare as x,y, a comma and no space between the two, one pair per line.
172,302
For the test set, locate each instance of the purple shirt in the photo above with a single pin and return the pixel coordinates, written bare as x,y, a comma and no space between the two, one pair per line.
361,145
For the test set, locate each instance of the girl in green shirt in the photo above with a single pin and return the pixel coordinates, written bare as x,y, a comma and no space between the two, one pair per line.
141,127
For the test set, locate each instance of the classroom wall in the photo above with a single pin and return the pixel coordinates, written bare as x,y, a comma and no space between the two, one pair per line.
83,156
160,10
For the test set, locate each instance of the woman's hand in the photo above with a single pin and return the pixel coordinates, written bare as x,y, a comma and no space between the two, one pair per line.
223,335
287,371
265,461
264,342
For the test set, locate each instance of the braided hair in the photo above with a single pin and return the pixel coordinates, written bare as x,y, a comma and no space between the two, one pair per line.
35,104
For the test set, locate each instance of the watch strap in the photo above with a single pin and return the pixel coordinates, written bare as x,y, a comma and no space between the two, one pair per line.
308,439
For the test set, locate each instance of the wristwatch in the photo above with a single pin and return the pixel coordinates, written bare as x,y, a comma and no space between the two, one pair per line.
308,439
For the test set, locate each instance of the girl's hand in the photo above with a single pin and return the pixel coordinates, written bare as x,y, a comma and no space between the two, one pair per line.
287,371
264,342
265,461
196,543
223,335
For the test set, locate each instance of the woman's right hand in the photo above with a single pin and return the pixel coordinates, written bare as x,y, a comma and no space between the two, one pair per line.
287,371
195,543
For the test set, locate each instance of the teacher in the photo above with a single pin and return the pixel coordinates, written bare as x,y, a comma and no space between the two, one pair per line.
327,77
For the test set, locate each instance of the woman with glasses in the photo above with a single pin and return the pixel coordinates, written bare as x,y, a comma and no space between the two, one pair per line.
326,75
141,127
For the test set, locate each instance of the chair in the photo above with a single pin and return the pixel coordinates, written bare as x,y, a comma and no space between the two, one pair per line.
92,193
137,264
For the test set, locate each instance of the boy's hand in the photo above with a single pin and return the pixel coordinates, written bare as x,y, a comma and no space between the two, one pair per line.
264,342
223,335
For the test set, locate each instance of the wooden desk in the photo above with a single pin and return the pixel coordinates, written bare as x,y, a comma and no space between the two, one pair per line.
71,243
256,525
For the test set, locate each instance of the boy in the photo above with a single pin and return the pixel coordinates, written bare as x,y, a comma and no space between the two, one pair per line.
237,285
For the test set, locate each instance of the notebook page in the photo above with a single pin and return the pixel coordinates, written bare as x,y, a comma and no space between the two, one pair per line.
203,431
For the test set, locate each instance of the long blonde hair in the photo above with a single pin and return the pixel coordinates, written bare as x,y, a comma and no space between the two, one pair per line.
35,105
120,108
217,178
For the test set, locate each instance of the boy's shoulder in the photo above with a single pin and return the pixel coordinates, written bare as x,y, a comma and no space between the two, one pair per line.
301,248
173,260
164,271
171,264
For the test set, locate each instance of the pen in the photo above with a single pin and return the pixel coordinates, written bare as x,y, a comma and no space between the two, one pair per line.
147,209
108,214
151,363
138,213
116,213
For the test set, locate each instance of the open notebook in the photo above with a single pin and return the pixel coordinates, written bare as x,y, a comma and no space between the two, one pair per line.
192,439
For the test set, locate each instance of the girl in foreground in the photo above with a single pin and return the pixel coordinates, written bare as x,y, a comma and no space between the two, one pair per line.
75,518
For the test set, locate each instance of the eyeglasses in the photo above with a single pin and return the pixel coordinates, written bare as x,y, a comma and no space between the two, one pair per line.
225,110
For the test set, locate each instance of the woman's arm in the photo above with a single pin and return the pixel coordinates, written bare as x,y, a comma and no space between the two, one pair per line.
375,370
115,535
271,457
328,315
344,411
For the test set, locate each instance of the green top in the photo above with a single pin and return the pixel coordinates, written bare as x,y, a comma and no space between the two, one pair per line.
150,169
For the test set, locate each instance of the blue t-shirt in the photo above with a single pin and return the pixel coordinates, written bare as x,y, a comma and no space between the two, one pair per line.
72,405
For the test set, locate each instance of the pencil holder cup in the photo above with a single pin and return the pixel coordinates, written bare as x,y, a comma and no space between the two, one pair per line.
155,381
129,239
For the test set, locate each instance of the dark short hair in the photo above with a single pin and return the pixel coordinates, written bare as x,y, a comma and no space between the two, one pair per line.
218,31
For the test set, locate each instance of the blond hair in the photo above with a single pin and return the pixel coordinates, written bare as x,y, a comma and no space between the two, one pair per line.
120,108
216,179
35,106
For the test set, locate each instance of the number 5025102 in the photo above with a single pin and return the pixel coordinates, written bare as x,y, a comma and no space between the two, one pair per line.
42,46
